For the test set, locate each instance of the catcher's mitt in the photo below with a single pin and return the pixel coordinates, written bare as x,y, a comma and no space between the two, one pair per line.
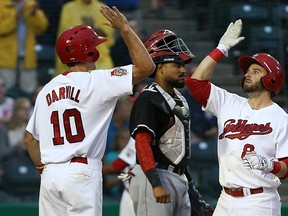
198,206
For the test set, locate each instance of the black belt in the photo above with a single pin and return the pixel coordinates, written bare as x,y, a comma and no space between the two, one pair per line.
177,170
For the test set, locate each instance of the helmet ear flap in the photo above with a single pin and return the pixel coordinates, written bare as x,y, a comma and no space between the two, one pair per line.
270,83
94,55
274,79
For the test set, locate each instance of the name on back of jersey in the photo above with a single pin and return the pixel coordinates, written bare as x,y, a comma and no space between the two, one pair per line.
63,92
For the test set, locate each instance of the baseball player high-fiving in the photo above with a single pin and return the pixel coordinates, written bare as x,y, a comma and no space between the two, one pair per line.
252,133
67,132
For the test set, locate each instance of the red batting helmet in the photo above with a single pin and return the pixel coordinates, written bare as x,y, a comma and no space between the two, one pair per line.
78,44
274,80
164,46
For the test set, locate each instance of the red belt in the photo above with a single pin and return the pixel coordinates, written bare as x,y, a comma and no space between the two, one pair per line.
239,192
79,160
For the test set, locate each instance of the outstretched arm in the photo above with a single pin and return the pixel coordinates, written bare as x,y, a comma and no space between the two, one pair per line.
143,64
114,167
229,39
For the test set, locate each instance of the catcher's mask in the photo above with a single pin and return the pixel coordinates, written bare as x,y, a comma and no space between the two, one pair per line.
164,46
78,44
274,80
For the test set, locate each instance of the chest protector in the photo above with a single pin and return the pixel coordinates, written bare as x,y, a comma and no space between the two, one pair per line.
175,142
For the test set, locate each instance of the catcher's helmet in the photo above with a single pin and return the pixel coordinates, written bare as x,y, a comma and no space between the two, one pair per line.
164,46
78,44
274,80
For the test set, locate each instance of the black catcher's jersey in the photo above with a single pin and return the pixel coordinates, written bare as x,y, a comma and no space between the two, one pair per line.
152,112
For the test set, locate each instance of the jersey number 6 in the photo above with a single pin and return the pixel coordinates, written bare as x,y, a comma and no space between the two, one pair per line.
247,148
67,117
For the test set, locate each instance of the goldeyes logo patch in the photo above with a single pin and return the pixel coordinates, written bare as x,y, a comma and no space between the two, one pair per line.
239,129
118,72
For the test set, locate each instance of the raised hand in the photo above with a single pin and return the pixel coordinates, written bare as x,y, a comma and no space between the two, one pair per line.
115,18
232,36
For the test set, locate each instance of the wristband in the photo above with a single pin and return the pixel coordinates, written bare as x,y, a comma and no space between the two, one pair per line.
276,168
216,55
153,177
40,168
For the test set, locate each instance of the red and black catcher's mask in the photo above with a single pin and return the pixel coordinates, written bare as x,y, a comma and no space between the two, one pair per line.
164,46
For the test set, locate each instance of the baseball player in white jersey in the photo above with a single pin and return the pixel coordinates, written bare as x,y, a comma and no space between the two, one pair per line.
252,133
67,132
128,155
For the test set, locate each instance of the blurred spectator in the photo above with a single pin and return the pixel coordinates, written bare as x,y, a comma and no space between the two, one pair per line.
119,51
21,21
20,177
4,143
37,89
87,12
6,102
4,149
112,186
120,119
17,125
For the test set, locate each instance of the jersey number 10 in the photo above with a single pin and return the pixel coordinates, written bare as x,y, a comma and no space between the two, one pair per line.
69,114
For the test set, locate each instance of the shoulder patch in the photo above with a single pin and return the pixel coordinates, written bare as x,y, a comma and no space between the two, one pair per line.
119,72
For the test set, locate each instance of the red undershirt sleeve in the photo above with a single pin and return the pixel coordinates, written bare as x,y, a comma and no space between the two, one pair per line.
200,89
143,140
119,165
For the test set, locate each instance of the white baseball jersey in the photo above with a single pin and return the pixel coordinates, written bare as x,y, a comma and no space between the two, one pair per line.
242,129
128,154
73,112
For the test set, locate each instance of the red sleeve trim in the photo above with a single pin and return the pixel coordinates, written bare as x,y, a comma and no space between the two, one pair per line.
276,168
285,160
216,55
143,140
200,89
119,165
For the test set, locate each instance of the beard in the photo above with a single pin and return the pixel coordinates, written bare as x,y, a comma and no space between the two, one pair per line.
177,83
250,88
